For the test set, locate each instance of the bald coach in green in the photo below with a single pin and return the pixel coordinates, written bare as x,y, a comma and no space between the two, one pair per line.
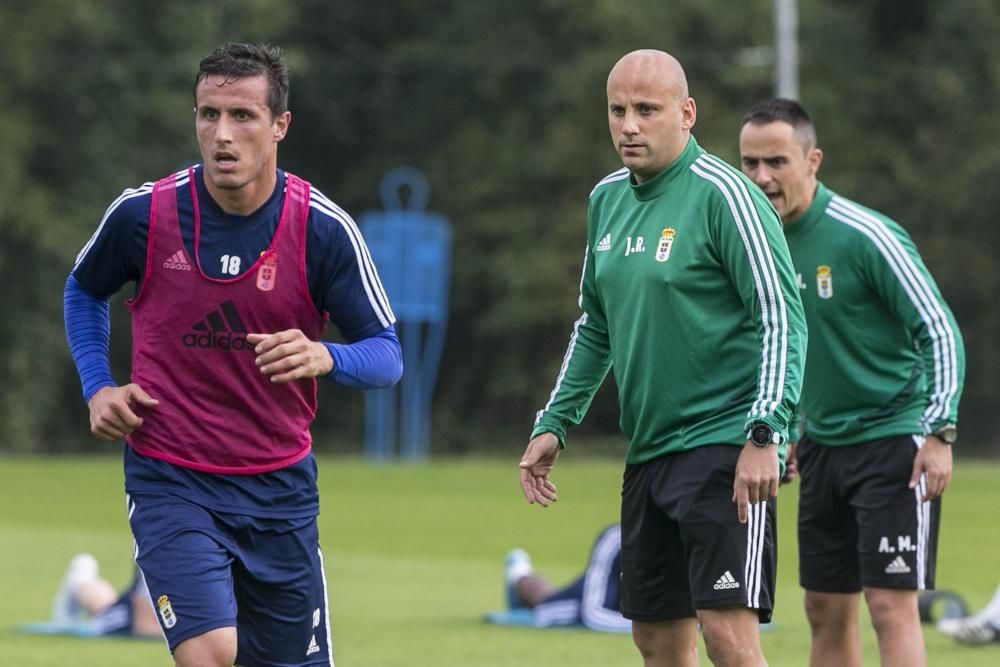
688,295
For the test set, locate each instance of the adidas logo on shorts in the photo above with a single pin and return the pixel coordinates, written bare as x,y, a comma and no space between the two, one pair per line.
725,582
897,566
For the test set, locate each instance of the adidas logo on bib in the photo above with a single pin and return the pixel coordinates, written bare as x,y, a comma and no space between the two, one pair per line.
221,329
725,582
178,262
897,566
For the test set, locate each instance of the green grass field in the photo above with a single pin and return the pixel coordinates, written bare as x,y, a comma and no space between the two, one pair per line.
414,558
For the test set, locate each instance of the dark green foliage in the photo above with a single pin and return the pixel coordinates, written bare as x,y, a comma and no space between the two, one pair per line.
501,104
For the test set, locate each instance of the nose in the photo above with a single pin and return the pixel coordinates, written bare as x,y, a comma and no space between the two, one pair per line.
760,175
223,130
630,124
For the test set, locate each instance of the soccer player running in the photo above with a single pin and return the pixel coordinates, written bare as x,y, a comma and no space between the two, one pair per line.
880,399
688,293
237,267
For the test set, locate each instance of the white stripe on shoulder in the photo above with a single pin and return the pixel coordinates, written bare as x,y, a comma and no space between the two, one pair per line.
611,178
774,318
919,291
366,267
181,178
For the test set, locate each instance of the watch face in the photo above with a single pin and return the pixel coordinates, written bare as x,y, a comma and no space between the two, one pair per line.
762,434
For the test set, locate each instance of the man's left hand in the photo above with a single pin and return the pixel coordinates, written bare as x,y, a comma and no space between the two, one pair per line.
933,460
289,355
756,477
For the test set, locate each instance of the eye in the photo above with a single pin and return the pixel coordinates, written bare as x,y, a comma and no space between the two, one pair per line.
242,115
209,114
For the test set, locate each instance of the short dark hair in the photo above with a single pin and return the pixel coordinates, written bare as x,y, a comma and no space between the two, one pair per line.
786,111
234,61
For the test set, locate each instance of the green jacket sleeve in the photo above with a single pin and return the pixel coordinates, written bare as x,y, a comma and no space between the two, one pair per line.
794,426
753,250
587,361
903,282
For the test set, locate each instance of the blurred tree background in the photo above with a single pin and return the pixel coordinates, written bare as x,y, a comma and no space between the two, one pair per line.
501,104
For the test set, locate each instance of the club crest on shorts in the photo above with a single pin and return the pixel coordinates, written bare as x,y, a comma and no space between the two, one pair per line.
166,611
824,282
665,244
267,273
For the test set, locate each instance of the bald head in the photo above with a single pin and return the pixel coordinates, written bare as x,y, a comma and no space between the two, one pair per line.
654,66
649,111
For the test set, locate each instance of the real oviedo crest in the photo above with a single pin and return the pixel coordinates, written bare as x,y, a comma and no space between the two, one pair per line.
665,244
824,282
267,273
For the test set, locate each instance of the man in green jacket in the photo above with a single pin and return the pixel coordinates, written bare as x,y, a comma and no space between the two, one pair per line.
879,399
688,294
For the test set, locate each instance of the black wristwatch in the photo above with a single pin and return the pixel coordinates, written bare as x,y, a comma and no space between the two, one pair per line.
763,435
947,434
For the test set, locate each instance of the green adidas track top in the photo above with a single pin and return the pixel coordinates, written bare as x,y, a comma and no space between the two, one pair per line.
885,355
689,294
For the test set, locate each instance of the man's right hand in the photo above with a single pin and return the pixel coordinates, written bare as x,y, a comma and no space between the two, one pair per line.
111,415
536,464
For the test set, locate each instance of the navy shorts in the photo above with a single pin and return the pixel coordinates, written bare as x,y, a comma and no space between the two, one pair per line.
859,522
207,570
683,547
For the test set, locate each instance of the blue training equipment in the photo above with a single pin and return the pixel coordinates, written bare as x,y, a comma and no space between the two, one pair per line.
524,618
78,630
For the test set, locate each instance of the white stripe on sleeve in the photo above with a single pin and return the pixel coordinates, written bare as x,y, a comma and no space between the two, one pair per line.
774,318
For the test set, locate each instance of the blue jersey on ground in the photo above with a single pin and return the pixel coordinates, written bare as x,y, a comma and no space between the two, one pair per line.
593,600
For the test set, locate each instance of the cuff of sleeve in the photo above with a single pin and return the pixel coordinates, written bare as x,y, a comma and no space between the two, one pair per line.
936,426
91,389
554,429
335,356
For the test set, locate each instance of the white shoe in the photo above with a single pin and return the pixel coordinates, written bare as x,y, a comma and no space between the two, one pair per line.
970,630
82,569
980,628
516,565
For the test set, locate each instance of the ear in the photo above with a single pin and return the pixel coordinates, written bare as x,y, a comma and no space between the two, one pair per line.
815,159
281,124
689,114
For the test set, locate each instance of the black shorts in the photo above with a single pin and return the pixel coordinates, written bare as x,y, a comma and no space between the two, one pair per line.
683,547
859,522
